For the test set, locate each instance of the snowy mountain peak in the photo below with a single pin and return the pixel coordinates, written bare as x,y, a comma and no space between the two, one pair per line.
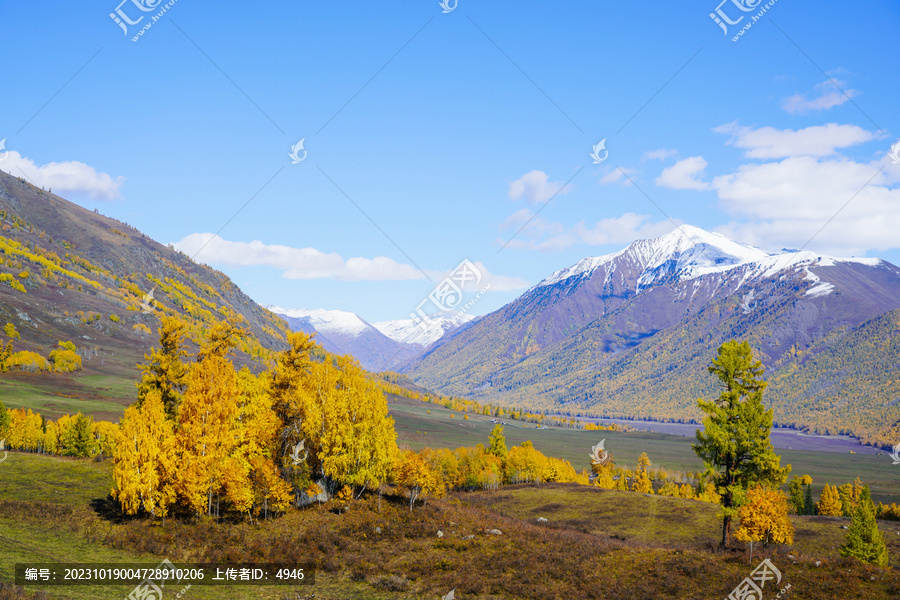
327,321
689,252
691,247
686,251
422,333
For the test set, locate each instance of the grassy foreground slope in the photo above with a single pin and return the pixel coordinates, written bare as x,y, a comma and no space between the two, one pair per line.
596,544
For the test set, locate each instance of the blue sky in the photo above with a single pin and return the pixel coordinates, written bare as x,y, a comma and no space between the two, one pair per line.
434,137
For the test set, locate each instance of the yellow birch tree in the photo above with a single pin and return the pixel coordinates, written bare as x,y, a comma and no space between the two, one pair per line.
144,461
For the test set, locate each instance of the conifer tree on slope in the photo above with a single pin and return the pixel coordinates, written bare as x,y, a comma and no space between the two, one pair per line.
497,442
166,371
809,507
735,437
864,539
829,502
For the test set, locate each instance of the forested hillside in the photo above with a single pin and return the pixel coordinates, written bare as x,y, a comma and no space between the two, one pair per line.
74,276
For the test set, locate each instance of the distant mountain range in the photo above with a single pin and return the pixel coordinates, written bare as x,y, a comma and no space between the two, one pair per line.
379,346
630,334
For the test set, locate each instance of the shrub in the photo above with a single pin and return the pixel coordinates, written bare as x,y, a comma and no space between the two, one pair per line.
65,360
26,360
11,282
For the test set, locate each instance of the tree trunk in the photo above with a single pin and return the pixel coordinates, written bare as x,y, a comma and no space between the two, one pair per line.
726,530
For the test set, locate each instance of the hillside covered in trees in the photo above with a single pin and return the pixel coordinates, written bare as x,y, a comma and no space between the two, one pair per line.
100,286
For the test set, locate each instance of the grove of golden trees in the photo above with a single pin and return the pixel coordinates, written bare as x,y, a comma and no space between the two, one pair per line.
204,438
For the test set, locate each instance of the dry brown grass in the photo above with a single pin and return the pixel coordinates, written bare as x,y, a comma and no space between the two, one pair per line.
408,560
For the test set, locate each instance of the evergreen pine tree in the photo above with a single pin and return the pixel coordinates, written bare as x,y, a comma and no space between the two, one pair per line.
735,437
497,442
795,495
4,421
809,508
864,540
165,370
849,494
83,438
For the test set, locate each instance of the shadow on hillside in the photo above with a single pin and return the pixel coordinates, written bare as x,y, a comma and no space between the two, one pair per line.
108,510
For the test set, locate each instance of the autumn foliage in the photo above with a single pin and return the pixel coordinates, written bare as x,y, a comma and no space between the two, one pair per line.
205,438
764,517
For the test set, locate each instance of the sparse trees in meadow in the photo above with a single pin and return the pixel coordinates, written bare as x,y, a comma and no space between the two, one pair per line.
414,475
10,330
232,433
65,358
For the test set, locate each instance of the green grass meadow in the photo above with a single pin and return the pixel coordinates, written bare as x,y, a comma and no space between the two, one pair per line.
420,424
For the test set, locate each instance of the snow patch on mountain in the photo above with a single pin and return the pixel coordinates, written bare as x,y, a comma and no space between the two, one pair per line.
420,332
327,321
583,267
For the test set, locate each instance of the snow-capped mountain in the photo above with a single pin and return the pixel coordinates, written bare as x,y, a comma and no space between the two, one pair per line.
420,332
380,346
327,322
629,330
689,252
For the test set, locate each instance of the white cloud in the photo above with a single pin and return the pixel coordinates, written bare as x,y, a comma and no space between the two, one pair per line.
498,283
69,176
661,154
684,175
535,187
548,236
784,204
310,263
819,140
619,174
801,185
296,263
827,95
